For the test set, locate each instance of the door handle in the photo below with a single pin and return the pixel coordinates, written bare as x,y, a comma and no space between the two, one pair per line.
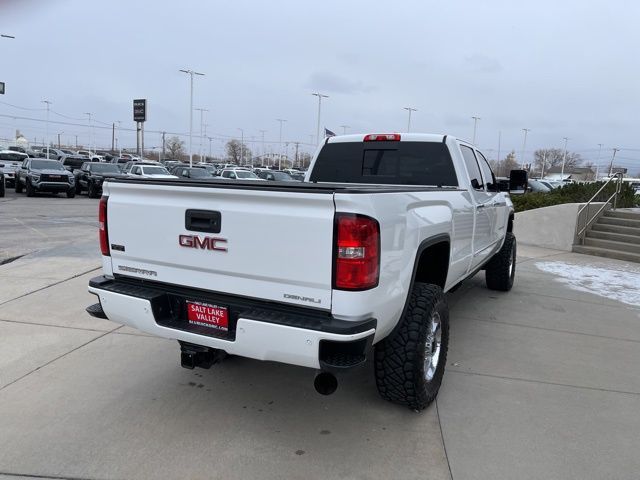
208,221
482,205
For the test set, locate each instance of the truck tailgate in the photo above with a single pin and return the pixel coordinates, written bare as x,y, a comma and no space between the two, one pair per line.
279,244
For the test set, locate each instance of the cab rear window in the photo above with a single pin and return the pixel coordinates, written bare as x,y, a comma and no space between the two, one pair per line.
399,163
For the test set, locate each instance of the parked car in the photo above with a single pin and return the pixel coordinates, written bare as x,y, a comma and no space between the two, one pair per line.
239,174
144,170
91,155
417,218
187,172
129,165
275,176
92,175
43,175
74,162
538,187
10,162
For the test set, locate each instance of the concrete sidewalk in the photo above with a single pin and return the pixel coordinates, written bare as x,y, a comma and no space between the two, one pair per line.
541,382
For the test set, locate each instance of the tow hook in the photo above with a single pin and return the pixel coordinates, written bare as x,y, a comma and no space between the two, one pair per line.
325,383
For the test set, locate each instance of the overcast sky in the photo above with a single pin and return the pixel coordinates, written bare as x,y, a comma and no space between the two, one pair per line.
560,68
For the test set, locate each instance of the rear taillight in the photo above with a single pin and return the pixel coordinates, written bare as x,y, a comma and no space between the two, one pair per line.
357,252
382,137
102,226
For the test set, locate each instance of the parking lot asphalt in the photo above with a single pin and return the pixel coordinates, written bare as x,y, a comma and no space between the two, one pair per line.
541,382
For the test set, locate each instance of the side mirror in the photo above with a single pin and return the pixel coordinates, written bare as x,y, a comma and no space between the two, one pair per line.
518,180
475,184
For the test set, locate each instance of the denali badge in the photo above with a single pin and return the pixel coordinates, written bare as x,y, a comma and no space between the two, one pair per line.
140,271
204,243
304,299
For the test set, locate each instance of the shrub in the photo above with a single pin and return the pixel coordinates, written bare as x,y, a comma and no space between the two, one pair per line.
575,193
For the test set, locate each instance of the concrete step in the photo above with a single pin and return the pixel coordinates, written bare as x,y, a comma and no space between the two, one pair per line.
622,222
611,245
605,252
602,227
622,214
615,237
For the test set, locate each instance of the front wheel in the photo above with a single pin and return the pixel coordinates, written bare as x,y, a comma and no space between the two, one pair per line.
71,193
30,190
410,362
501,269
92,191
18,186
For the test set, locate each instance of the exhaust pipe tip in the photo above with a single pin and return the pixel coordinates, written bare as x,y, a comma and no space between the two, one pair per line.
325,383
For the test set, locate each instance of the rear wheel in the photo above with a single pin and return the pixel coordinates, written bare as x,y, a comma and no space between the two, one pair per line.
30,190
501,269
410,362
92,191
18,186
71,193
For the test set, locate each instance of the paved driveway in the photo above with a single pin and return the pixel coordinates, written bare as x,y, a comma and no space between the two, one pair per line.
541,383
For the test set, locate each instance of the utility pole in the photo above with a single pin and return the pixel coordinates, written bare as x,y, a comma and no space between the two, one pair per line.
120,147
499,142
191,73
281,120
475,127
59,144
524,144
409,109
76,142
163,145
113,136
297,144
564,158
48,103
615,150
320,97
210,156
344,129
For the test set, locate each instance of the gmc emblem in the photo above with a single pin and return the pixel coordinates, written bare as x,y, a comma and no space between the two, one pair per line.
206,243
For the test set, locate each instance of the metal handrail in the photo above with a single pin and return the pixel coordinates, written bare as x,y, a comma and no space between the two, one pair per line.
581,232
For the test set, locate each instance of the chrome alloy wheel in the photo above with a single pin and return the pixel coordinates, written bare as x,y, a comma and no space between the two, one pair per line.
432,347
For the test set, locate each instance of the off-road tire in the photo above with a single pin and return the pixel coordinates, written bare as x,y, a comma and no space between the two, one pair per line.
78,188
92,191
18,186
30,190
71,193
501,269
399,359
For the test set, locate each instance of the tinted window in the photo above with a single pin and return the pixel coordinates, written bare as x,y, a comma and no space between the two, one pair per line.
155,170
199,173
12,157
472,166
45,164
401,163
104,168
487,174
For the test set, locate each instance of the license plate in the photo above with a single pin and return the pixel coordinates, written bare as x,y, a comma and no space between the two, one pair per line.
208,315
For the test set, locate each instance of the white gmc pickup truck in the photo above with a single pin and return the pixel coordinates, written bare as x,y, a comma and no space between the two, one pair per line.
353,261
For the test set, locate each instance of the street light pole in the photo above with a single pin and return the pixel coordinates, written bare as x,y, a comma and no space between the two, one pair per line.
191,73
48,103
120,147
262,132
320,97
598,160
564,158
201,110
281,120
524,144
241,145
59,144
90,131
409,109
475,127
615,150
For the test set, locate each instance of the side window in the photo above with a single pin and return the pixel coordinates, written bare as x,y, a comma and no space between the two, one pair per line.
489,178
472,167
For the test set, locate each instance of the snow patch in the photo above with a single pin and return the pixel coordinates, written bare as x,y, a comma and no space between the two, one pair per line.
622,284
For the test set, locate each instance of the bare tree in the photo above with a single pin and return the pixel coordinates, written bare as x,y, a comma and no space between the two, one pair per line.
502,168
552,157
238,152
175,148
